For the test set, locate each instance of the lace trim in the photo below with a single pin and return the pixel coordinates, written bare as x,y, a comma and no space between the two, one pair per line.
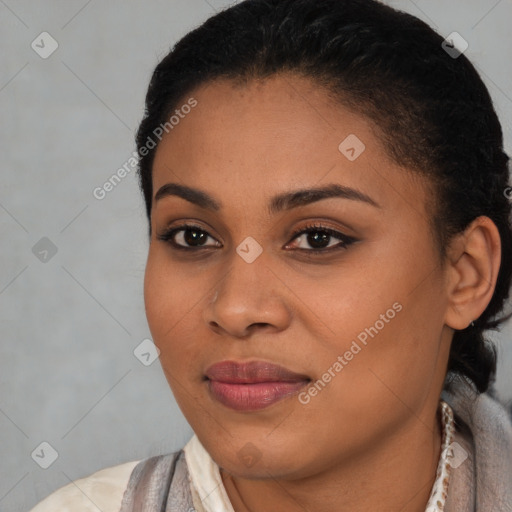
449,455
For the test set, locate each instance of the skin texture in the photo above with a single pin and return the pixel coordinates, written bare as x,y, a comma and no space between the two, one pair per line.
370,439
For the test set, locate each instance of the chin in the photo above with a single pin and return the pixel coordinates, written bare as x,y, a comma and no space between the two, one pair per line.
274,461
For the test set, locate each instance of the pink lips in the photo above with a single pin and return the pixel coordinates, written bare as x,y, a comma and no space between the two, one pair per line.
253,385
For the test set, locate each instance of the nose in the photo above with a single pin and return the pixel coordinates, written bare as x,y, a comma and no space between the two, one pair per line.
249,297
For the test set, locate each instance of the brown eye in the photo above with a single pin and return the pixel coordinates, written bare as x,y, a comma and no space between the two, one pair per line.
190,237
319,238
187,237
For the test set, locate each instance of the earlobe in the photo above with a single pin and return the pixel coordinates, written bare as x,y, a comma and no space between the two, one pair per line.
474,261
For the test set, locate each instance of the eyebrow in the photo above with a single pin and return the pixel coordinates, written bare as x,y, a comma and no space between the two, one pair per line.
280,202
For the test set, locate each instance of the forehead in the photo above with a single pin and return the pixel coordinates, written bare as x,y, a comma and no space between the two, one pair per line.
271,135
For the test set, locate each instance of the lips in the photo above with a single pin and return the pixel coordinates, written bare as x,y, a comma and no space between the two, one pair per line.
252,385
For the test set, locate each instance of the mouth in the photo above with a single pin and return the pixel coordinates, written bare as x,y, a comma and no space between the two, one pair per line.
253,385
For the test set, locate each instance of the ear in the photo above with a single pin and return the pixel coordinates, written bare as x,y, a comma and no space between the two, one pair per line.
474,259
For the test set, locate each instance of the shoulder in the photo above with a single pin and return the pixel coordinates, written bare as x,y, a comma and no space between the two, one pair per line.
102,490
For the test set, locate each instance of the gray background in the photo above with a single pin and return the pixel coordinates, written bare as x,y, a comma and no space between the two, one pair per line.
69,325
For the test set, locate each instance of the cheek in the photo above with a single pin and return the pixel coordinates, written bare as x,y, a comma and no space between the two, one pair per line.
389,320
172,300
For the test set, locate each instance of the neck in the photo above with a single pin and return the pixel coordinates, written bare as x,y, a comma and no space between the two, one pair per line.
397,474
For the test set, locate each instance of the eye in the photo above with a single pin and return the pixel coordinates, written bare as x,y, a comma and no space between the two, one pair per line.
320,237
190,237
190,234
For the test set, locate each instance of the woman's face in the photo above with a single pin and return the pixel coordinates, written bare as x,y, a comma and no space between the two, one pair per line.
360,324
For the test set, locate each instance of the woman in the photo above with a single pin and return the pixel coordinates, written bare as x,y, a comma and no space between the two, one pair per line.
330,237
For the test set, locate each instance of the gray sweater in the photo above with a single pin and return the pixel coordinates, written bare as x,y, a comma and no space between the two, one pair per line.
483,482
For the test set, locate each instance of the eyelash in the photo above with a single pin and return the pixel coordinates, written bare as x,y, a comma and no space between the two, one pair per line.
346,240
